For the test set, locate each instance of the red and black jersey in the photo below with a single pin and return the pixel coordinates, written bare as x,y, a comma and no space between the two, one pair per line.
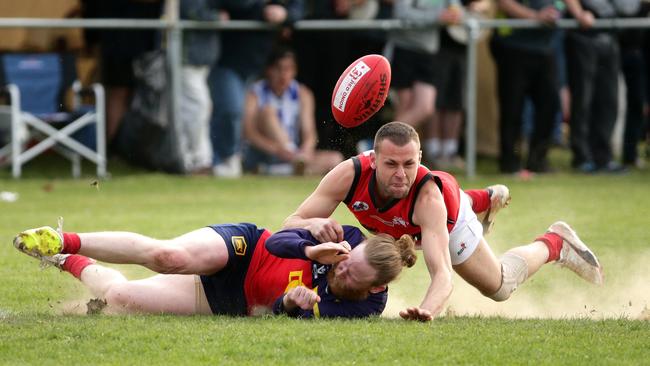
263,267
396,216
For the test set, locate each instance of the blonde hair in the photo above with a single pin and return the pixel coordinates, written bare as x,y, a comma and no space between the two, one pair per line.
388,256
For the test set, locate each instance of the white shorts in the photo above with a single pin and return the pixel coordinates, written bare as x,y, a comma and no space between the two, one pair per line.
466,234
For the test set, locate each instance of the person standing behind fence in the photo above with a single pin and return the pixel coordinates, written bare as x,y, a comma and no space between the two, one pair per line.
447,120
413,68
593,66
634,71
200,51
242,60
279,124
526,66
119,48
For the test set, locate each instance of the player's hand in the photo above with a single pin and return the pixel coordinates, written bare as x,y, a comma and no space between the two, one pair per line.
325,230
301,297
328,253
415,313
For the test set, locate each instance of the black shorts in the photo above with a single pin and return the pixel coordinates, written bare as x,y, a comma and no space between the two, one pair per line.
118,72
411,66
225,289
449,79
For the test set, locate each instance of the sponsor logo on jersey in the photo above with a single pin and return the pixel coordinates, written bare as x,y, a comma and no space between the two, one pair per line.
360,206
318,270
396,221
239,245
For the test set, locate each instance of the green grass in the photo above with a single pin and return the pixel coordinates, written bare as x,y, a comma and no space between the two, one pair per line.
553,319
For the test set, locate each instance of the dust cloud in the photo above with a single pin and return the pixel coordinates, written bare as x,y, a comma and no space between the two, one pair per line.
625,294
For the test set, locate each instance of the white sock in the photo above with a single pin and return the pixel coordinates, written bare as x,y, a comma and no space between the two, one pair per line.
449,147
432,147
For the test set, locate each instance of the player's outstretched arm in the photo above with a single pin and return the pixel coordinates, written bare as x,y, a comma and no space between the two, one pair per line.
430,214
315,211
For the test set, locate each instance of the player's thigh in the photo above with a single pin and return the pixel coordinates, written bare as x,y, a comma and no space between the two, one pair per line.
470,254
205,249
482,269
170,294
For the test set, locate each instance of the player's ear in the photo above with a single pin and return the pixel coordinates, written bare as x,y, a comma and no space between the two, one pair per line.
373,158
420,157
377,289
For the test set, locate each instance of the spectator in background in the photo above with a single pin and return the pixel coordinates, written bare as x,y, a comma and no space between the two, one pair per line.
526,66
323,55
118,50
447,120
593,66
200,52
241,61
279,123
634,71
413,69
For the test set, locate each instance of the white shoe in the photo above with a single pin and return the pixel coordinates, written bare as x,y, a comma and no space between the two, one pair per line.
230,168
499,198
576,256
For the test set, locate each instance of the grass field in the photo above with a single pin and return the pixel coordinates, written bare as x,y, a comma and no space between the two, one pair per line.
553,319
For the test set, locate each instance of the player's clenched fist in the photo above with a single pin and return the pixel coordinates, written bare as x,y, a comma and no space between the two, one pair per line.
301,297
325,229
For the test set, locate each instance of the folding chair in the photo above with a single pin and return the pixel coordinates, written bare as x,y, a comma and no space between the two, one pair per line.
36,85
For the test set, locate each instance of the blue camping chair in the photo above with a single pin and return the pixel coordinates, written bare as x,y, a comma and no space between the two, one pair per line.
36,85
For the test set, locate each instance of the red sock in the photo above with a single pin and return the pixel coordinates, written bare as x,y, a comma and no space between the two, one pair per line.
71,243
76,263
480,199
554,244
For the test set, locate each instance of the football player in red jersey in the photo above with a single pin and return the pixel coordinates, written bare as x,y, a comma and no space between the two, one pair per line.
389,192
230,269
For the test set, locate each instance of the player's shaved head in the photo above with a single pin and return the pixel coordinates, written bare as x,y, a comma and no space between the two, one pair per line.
399,133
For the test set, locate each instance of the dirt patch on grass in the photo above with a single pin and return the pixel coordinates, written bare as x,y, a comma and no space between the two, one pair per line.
625,294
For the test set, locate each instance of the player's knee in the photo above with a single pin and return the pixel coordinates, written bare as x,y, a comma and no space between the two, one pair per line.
514,271
118,297
169,259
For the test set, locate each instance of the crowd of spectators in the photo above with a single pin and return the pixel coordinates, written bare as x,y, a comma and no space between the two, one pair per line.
258,101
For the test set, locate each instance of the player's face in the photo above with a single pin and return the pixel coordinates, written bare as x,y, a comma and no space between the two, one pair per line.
352,278
396,168
281,73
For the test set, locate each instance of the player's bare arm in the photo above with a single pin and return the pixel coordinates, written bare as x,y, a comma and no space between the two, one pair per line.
430,214
315,211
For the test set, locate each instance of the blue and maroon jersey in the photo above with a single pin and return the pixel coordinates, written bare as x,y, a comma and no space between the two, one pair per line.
289,245
395,217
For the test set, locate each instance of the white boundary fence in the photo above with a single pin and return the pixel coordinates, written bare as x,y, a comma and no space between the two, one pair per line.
174,27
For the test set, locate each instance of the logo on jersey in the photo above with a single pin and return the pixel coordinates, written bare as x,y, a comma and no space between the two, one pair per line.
396,221
239,245
462,249
318,270
360,206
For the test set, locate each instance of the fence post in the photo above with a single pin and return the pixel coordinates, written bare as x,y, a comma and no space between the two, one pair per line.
473,29
174,50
